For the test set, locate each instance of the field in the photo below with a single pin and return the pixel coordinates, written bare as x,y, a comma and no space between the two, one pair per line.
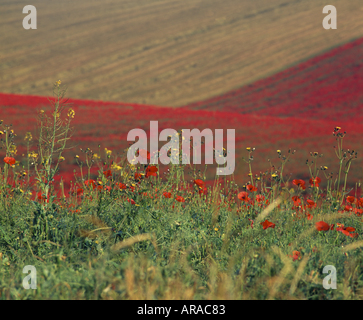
97,226
163,52
297,108
132,233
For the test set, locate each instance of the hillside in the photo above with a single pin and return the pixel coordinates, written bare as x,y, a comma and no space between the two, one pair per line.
163,52
329,87
107,124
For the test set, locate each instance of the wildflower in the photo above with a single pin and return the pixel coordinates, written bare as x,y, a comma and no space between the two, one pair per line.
144,154
274,175
61,158
248,149
296,200
252,222
323,226
122,186
96,156
267,224
296,255
28,137
314,182
151,171
200,183
251,188
180,199
300,183
243,196
350,199
131,201
79,192
278,151
347,231
58,83
71,113
215,229
9,160
115,166
167,194
90,182
311,203
309,216
108,152
137,176
107,173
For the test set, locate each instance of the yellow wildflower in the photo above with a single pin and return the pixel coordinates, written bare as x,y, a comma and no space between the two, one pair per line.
71,113
28,137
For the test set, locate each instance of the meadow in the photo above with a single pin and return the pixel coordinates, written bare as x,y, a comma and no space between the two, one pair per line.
130,231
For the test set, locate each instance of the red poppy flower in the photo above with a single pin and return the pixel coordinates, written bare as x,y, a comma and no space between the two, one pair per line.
296,255
137,176
107,173
267,224
260,198
243,196
314,182
350,199
309,216
40,196
311,203
251,188
323,226
296,200
200,183
300,183
122,185
252,222
9,160
79,192
151,171
180,199
144,154
203,191
131,201
167,194
90,182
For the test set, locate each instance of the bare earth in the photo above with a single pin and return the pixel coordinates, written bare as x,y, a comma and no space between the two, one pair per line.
162,52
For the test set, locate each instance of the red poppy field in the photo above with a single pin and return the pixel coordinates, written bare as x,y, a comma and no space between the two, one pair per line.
124,230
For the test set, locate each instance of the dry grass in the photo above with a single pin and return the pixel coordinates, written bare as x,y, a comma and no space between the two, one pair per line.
163,52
